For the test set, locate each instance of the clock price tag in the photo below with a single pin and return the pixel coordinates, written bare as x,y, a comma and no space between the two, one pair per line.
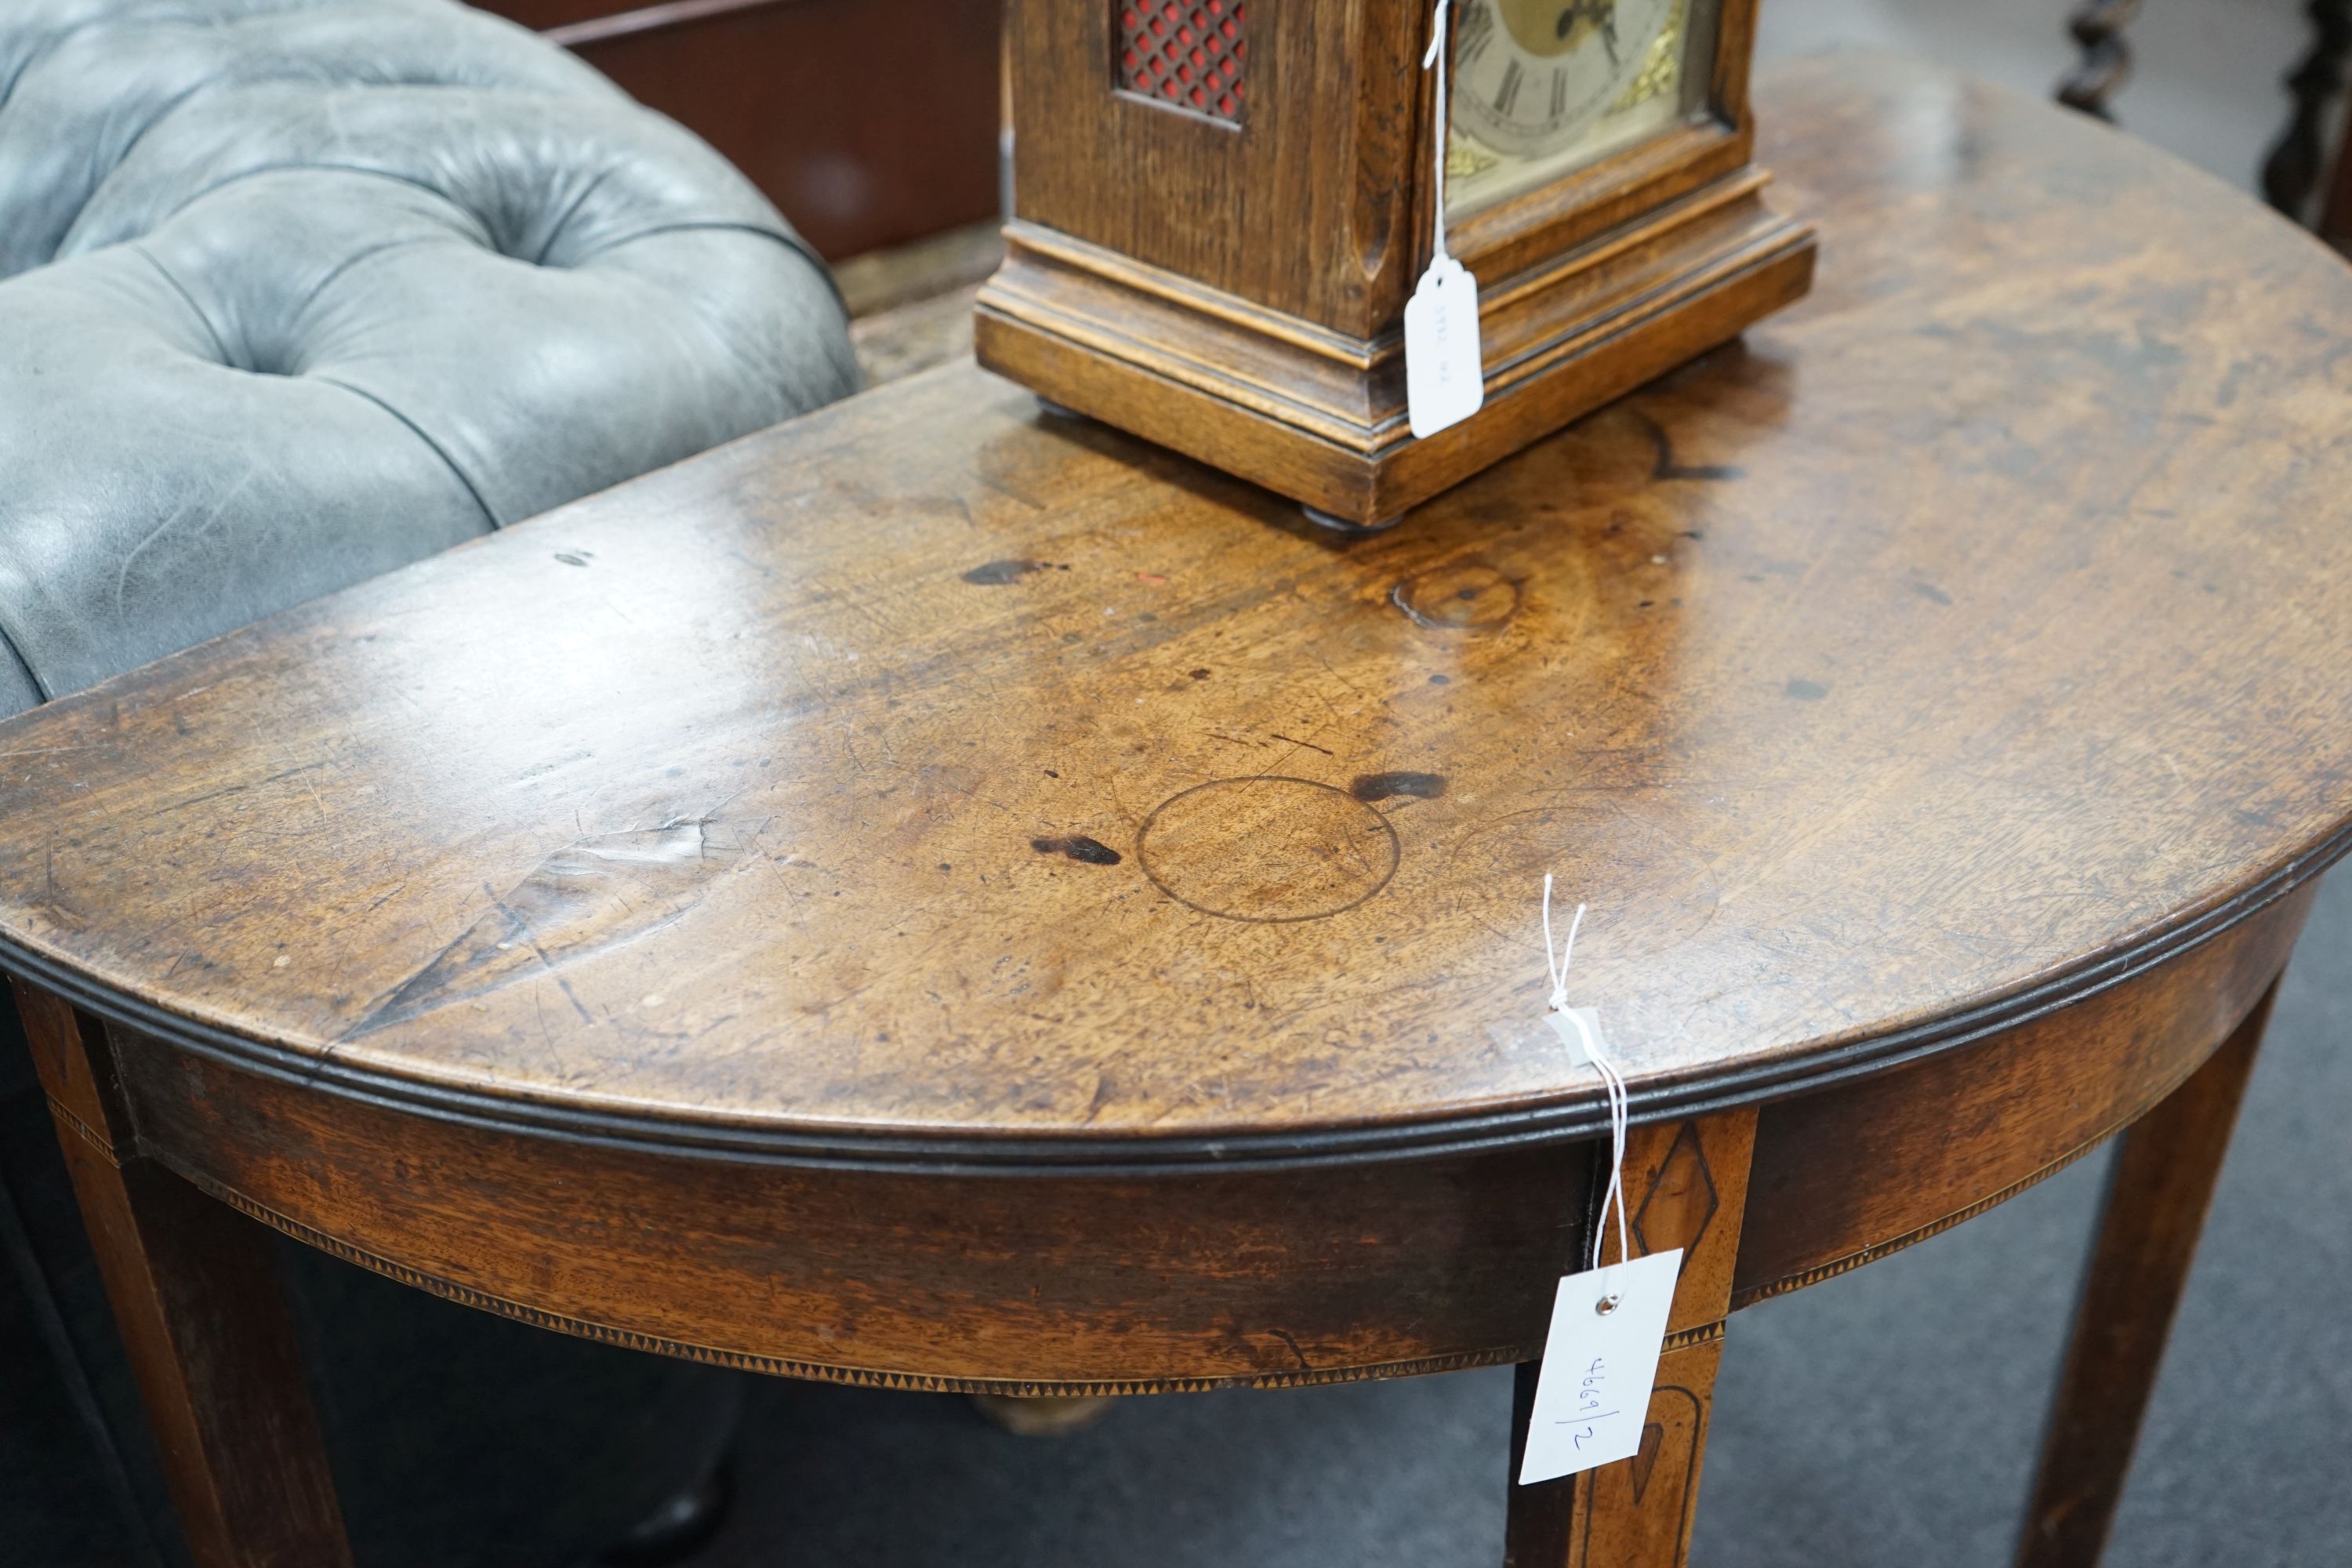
1445,378
1444,382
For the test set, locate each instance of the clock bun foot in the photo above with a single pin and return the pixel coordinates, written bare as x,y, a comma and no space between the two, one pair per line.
1342,525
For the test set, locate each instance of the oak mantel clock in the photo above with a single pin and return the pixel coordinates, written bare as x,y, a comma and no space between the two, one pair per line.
1220,208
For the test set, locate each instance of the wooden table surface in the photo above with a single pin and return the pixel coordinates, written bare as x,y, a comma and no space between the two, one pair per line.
1977,630
939,895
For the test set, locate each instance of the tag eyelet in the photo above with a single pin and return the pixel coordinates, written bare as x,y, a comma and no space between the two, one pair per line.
1606,1305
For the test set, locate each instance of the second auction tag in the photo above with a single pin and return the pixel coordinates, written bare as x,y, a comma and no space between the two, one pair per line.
1443,380
1600,1360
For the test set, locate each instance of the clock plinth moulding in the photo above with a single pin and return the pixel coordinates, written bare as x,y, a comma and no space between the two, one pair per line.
1215,254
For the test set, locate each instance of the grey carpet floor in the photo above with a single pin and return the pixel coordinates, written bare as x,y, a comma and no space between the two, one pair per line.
1889,1417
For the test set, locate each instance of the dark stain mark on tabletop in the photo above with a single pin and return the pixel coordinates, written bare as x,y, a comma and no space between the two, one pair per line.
1079,847
1807,691
1459,596
1929,591
996,573
1369,787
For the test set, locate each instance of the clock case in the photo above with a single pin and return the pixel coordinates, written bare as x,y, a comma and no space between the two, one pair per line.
1236,290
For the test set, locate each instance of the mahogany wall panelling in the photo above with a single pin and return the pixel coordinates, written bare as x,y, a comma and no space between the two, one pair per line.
870,122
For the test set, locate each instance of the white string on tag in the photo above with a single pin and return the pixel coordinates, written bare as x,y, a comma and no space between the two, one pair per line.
1438,28
1444,369
1608,1322
1556,963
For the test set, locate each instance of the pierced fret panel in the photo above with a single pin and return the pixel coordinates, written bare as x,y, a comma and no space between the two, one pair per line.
1188,53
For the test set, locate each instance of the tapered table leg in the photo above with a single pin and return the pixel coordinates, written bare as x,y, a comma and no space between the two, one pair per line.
1686,1187
196,1299
1637,1512
2157,1192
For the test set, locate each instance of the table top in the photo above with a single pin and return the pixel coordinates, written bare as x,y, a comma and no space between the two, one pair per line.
935,779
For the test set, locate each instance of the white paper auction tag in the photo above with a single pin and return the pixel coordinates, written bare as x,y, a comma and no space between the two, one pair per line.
1444,382
1592,1397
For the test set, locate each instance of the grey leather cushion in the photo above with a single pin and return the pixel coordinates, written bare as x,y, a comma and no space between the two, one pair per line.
294,292
291,292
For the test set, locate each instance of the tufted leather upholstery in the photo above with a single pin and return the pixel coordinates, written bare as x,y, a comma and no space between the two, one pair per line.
294,292
291,292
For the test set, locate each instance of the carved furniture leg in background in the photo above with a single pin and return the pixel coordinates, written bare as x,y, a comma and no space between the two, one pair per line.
2098,27
64,1357
1686,1187
196,1299
2157,1194
2298,161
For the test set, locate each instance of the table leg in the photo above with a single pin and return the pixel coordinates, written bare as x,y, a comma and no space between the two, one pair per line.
2157,1192
1687,1187
196,1300
1635,1513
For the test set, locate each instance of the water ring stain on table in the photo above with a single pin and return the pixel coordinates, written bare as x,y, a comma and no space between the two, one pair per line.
1269,848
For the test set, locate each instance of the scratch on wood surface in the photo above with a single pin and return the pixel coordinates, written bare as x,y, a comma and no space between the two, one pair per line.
236,789
594,893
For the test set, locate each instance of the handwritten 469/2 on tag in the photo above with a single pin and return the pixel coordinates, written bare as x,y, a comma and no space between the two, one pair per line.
1594,1393
1590,1396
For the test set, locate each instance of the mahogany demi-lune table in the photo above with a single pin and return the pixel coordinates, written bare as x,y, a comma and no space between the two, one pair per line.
945,896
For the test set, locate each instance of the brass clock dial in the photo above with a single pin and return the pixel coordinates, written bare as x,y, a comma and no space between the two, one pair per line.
1541,86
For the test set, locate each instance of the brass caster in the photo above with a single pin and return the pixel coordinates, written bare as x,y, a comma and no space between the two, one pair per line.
1042,1415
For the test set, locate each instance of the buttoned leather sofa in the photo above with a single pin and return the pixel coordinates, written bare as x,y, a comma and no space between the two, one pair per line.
293,293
